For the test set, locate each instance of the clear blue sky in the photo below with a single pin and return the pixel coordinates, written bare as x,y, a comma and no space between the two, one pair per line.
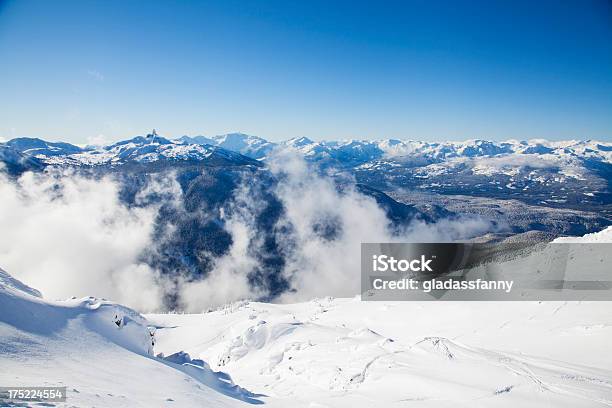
74,70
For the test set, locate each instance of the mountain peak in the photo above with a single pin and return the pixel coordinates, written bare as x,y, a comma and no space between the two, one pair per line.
34,146
299,141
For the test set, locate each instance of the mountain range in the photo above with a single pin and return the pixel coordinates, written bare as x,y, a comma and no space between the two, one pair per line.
558,174
344,152
536,189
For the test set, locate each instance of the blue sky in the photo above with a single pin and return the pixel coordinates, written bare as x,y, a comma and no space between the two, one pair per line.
430,70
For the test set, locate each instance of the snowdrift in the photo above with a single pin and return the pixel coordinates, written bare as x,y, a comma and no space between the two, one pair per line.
102,352
349,353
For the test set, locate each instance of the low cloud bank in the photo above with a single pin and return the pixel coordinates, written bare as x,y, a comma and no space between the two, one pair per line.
320,234
67,234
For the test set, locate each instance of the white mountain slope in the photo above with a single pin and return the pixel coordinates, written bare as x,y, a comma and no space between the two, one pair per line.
348,353
102,353
598,237
251,146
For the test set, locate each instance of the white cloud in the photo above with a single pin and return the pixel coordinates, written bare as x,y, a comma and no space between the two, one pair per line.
323,267
228,280
98,76
316,266
66,235
71,236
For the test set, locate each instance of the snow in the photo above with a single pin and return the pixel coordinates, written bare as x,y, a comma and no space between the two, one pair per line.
327,352
323,353
346,353
601,236
102,352
7,281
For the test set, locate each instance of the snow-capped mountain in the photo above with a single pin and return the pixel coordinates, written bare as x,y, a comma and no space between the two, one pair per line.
152,148
343,153
34,147
535,154
250,146
563,173
140,149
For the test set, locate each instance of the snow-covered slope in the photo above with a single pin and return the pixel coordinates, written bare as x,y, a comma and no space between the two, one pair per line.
349,353
596,237
102,352
8,283
15,161
250,146
34,146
